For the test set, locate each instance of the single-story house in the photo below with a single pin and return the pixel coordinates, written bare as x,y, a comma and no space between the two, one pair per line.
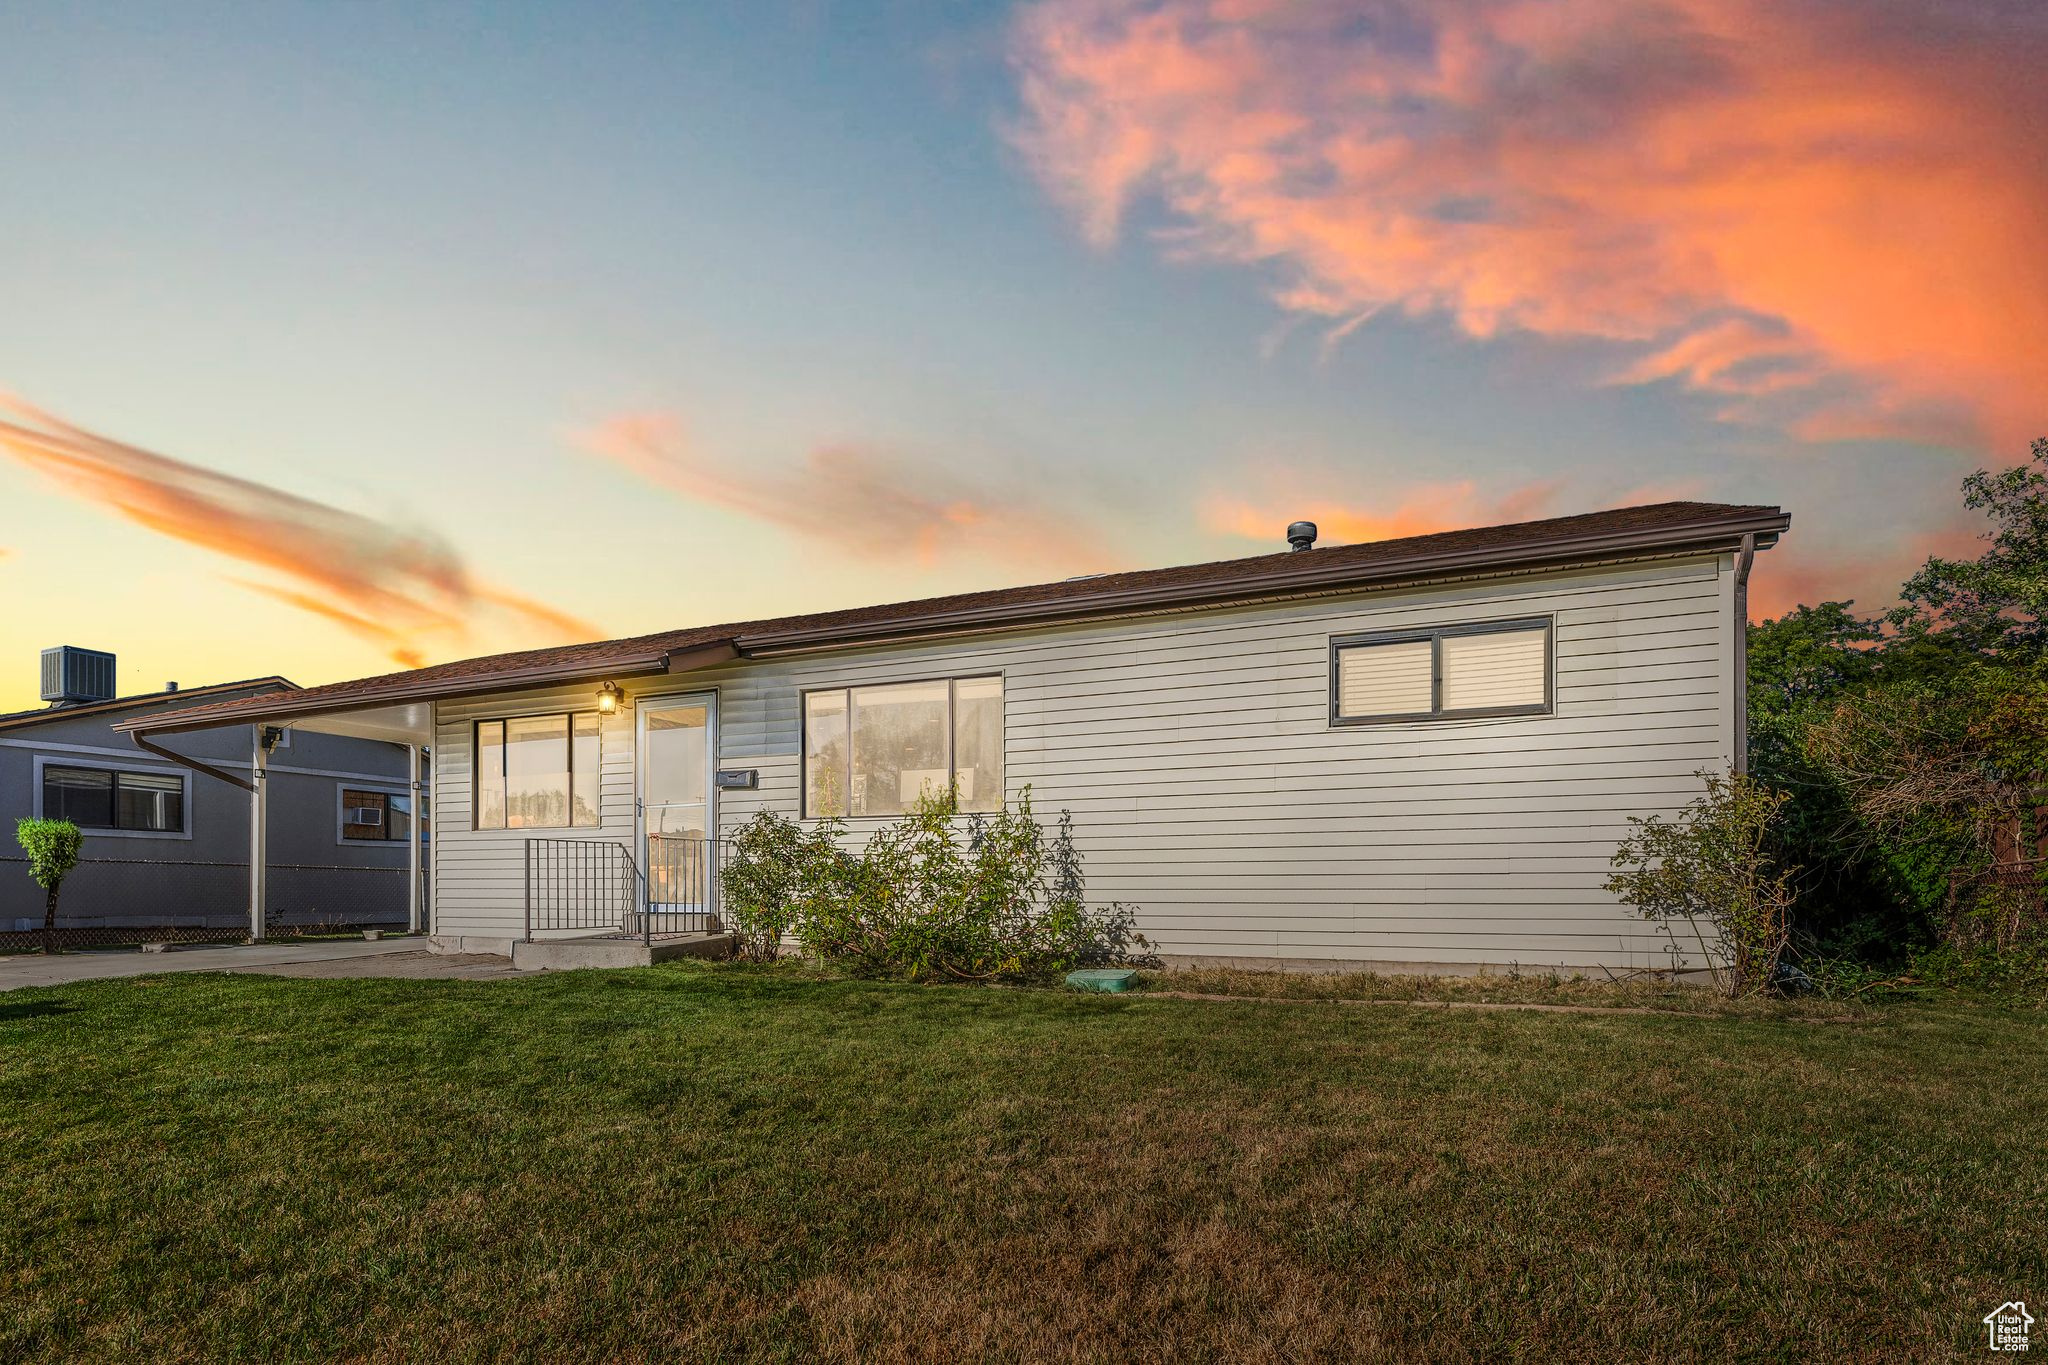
1416,751
167,846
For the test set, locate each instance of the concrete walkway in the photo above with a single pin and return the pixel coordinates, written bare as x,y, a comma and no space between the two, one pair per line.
401,957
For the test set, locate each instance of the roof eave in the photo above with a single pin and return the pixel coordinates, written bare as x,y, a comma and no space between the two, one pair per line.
115,705
290,705
1720,534
1315,574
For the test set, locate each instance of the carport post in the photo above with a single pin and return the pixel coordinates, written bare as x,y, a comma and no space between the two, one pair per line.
412,840
259,830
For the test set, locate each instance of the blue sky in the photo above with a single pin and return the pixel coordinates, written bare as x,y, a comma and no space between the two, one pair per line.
412,264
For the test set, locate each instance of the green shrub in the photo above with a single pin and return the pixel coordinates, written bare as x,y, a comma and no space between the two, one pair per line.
1715,864
2018,973
931,896
53,847
774,869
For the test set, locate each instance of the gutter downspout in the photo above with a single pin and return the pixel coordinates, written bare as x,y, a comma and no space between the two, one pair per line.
143,742
1743,560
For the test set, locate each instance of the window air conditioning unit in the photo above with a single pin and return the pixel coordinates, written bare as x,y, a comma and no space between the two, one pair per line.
363,815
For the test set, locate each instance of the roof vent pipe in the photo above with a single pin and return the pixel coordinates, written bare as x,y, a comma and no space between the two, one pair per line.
1302,535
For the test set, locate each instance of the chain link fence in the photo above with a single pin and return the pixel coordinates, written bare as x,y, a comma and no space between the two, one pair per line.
141,900
2000,907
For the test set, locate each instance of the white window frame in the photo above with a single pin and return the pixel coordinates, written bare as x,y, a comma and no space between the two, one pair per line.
476,747
1436,636
184,776
803,738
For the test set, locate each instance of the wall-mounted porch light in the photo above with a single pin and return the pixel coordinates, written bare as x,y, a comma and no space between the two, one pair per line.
608,695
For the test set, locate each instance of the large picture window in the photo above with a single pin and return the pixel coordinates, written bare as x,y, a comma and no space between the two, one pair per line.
875,750
1500,668
537,772
105,798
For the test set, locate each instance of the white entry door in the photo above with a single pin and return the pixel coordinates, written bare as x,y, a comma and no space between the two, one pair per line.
678,816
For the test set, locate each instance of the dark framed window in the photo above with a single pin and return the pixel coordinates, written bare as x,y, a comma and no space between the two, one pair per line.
537,772
874,750
108,798
369,816
1494,668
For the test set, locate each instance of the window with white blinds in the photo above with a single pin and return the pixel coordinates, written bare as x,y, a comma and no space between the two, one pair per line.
1397,678
1495,669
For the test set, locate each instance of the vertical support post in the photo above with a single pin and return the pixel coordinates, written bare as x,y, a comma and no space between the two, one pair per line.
259,833
412,840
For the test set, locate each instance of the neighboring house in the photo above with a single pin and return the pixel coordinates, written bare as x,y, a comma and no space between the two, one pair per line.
166,845
1414,751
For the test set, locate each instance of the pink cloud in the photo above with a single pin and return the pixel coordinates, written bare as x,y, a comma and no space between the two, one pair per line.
1793,573
405,591
1767,197
855,499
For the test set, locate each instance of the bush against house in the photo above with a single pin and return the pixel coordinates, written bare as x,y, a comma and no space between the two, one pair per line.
1716,869
930,896
776,869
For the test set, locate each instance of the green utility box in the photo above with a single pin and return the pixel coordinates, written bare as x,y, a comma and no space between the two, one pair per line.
1109,980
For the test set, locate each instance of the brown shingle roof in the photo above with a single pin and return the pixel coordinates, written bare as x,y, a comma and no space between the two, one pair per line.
1660,527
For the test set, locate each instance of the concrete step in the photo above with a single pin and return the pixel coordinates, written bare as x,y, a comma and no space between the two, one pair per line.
575,954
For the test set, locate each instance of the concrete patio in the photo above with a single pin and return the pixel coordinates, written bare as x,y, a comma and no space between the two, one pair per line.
401,957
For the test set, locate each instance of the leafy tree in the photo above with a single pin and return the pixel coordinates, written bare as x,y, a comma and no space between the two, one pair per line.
1997,604
1849,714
53,847
1807,657
1943,776
1801,665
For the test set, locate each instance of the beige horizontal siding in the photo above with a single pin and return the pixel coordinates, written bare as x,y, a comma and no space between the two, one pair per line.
479,875
1210,792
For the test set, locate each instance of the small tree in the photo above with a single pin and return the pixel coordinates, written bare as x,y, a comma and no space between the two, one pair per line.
52,847
1714,863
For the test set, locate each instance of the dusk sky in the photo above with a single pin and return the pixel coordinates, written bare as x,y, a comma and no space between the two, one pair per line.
335,338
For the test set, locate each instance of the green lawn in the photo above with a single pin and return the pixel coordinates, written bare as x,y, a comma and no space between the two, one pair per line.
694,1161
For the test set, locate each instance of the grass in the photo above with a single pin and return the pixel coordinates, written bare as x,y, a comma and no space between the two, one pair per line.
691,1161
1550,990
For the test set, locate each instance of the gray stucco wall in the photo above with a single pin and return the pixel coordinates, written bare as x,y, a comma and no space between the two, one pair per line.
201,878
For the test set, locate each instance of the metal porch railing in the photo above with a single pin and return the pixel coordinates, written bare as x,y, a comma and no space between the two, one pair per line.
594,886
684,880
